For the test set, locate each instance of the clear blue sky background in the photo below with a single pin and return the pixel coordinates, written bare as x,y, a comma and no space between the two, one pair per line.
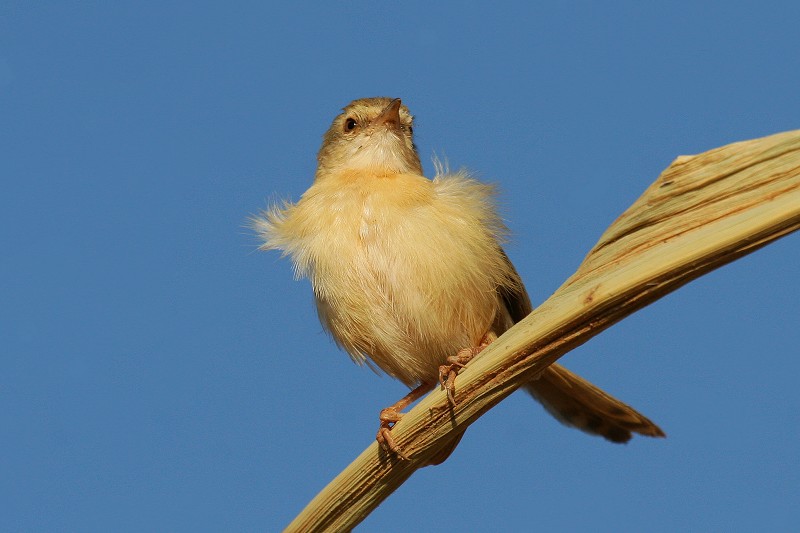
159,374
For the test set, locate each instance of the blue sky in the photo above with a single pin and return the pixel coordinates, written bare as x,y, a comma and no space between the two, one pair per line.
159,374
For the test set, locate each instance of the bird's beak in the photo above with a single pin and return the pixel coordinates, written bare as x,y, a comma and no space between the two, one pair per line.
389,116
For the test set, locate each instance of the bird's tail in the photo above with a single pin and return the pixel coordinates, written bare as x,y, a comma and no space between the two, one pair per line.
577,403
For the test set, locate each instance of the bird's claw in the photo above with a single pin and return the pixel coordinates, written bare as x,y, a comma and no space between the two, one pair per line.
386,441
391,415
448,372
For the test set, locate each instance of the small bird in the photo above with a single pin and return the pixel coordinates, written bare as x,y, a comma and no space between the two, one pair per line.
409,273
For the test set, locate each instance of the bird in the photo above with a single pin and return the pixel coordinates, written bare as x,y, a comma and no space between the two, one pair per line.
409,273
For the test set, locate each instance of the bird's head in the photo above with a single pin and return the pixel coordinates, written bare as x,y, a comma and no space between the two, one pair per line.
374,134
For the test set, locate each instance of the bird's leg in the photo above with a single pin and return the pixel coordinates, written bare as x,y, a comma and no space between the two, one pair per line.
448,372
391,415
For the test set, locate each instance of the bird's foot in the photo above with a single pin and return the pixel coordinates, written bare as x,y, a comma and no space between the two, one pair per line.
448,372
388,418
391,415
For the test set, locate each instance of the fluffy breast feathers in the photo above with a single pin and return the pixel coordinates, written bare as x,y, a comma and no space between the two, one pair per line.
405,270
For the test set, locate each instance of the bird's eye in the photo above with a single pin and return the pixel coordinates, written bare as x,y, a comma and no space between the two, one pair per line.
350,124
